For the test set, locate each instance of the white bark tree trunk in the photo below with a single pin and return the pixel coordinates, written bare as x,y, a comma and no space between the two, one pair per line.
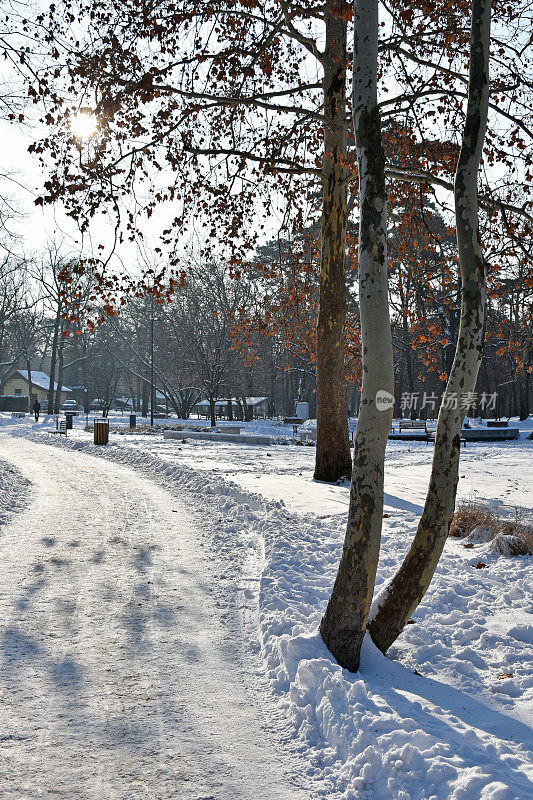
343,625
413,578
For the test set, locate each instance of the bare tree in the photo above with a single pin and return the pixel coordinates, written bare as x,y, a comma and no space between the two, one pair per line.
199,323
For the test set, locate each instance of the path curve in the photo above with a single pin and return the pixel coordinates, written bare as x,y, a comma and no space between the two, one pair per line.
118,678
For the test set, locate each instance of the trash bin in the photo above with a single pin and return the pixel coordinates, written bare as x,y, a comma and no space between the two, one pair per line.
69,416
133,420
101,431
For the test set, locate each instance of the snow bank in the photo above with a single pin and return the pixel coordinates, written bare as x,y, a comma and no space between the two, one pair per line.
386,733
14,491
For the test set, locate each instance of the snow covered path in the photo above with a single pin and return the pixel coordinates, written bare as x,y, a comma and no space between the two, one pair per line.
119,678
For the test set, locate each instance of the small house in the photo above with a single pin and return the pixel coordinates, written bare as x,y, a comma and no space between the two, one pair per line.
16,385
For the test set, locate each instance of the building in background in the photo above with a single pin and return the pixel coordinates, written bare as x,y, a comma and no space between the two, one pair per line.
258,408
16,385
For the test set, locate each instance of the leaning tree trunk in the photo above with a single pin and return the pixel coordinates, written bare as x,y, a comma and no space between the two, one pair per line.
411,582
332,459
343,625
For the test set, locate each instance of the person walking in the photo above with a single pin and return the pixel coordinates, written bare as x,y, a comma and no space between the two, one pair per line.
36,410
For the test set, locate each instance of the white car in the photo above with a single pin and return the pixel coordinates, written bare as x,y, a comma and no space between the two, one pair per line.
70,406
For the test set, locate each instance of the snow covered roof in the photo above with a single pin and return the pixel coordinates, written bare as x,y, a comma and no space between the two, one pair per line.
251,401
205,403
39,379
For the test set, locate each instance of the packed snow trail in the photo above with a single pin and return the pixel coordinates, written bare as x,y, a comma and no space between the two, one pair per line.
118,678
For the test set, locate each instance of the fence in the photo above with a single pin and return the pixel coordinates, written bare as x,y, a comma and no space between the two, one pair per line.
13,403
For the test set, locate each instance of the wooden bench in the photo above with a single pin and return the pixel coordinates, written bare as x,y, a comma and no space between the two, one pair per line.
309,434
61,427
421,425
414,424
432,434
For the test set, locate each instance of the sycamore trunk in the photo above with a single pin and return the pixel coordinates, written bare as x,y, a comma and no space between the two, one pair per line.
343,625
333,446
411,582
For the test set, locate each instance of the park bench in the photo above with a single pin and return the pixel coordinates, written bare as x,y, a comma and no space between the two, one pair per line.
416,424
18,414
421,424
310,435
294,421
61,427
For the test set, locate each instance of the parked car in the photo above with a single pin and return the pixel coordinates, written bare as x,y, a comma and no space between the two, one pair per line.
71,406
123,405
96,405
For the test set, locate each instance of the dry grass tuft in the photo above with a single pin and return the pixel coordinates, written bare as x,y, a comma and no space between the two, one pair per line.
516,544
507,535
471,515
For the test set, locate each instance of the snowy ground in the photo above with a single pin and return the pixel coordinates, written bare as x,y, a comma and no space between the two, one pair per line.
14,491
496,471
122,674
448,715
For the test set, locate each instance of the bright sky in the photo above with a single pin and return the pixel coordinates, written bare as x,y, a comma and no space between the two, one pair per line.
22,181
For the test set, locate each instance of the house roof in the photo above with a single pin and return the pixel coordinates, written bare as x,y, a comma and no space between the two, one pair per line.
39,379
205,403
252,401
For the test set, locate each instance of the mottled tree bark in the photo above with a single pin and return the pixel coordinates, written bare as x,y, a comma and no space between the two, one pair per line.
343,625
333,445
411,582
